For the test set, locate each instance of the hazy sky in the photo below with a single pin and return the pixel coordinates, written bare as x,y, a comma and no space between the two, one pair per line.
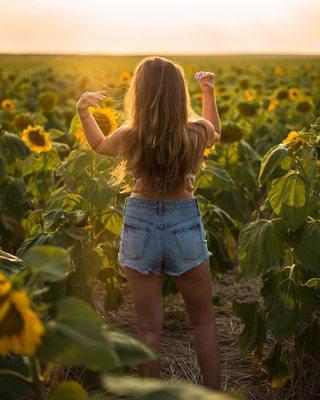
160,26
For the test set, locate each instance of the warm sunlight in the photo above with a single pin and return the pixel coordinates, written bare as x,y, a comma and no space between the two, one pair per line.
141,26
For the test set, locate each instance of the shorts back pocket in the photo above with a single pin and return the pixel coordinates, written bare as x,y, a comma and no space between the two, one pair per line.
189,241
134,241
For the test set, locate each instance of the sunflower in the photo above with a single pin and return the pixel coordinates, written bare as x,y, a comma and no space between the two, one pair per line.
271,106
231,133
209,150
106,119
304,106
124,77
247,108
295,141
293,93
291,136
48,100
36,138
22,121
282,94
278,70
20,328
8,105
249,95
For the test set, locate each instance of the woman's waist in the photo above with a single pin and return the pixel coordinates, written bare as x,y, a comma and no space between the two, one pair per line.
149,212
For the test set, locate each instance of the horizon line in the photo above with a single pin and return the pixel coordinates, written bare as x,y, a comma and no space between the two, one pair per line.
113,54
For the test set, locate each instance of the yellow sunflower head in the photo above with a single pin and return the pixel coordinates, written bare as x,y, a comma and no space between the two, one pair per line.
20,327
249,95
22,121
282,94
8,104
209,150
106,118
124,77
293,93
295,141
47,100
271,106
291,136
37,139
304,106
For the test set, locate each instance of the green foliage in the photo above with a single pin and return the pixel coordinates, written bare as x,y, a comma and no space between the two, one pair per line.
253,317
262,245
284,253
69,390
277,364
77,335
153,389
287,302
47,262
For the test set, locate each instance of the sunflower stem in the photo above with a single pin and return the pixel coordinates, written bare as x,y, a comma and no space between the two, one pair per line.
37,382
15,375
91,207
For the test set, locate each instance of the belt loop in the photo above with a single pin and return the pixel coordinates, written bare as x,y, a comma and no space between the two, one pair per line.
124,205
198,206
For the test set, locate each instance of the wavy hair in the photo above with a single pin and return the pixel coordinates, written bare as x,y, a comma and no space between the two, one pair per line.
157,146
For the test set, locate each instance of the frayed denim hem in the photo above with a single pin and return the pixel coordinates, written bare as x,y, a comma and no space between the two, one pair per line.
157,271
194,265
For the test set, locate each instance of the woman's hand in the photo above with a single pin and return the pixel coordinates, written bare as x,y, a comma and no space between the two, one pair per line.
206,81
88,99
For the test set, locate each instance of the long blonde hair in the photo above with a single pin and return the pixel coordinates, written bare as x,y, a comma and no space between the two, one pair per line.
158,146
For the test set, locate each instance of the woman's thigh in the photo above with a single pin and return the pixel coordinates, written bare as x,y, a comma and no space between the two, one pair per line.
147,297
195,286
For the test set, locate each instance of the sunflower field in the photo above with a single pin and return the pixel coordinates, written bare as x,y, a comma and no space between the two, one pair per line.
60,222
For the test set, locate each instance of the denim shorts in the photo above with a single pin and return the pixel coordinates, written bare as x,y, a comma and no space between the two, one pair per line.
158,234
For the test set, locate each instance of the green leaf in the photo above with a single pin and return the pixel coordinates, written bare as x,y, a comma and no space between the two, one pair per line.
112,220
75,124
13,388
308,340
307,245
128,348
78,336
69,390
56,133
213,177
10,264
156,389
254,331
88,262
13,146
308,163
286,302
278,366
280,155
261,245
49,262
246,152
294,217
290,189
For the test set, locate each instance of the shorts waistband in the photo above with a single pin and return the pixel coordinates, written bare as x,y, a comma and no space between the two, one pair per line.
174,203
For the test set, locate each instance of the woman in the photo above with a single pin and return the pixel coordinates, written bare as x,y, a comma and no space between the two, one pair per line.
162,144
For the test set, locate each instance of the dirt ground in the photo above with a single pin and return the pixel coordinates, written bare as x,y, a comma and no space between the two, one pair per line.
179,362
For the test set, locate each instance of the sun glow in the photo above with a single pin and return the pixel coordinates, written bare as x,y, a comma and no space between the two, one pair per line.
141,26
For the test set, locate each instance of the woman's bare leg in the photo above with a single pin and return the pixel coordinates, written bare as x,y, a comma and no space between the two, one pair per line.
196,288
147,297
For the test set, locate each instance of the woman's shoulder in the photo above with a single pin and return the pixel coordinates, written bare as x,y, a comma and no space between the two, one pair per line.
200,123
203,129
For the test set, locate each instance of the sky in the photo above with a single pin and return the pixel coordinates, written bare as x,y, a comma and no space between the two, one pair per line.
160,26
